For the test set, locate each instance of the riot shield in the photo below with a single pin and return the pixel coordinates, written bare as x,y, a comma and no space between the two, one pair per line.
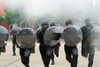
52,35
4,35
95,36
72,35
26,38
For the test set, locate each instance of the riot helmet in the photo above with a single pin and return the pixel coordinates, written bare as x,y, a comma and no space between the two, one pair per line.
45,25
24,24
69,22
88,21
52,24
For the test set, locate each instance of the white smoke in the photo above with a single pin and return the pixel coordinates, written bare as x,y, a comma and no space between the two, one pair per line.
77,10
40,7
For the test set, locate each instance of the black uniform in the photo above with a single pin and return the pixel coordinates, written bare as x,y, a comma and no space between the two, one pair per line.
24,54
0,50
86,49
71,55
71,51
45,51
55,51
14,45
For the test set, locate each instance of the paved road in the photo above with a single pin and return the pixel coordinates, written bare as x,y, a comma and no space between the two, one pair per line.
7,60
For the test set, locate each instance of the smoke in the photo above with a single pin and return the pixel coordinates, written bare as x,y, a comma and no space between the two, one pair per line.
41,7
58,10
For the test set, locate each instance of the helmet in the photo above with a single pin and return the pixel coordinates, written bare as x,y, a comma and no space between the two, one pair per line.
68,22
45,25
88,21
52,24
24,24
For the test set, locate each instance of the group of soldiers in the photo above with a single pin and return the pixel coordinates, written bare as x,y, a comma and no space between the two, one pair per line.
47,52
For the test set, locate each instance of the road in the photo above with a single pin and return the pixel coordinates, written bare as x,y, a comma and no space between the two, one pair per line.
8,60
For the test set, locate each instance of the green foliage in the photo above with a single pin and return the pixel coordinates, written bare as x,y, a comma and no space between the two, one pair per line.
13,16
1,18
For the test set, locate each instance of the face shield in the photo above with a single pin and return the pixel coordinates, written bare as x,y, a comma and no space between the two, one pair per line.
88,22
24,24
45,25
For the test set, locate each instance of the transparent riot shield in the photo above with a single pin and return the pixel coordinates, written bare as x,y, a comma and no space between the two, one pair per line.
52,35
26,38
72,35
4,35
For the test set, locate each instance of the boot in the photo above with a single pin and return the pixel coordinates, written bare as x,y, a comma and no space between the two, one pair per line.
52,62
14,54
46,66
27,66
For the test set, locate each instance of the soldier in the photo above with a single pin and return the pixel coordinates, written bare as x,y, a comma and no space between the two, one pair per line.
13,33
55,48
71,51
86,48
45,50
24,52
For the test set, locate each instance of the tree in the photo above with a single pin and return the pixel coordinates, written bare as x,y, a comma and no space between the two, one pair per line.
1,18
13,16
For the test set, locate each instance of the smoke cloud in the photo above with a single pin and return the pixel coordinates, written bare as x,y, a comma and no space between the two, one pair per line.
58,10
77,8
